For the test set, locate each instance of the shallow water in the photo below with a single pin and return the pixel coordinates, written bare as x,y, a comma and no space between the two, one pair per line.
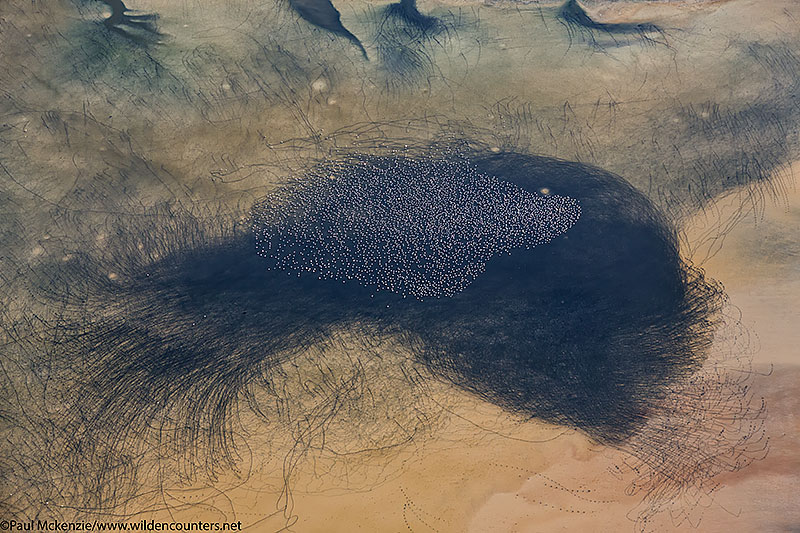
154,365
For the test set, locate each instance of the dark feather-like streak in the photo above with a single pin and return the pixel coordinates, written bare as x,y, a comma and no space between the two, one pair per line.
323,14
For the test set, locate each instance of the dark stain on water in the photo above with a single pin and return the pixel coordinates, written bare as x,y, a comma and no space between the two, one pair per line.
323,14
578,21
136,27
586,331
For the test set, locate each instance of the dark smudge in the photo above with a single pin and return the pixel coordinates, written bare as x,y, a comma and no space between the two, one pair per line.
574,16
584,331
323,14
407,10
158,329
140,28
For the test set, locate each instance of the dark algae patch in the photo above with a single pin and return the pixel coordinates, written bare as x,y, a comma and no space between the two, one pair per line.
323,14
584,330
137,27
576,19
550,288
